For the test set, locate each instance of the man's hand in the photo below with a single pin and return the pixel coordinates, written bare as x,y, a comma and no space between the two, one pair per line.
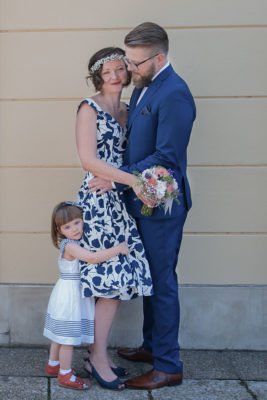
99,185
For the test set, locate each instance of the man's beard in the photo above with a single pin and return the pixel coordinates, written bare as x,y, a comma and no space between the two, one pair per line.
142,81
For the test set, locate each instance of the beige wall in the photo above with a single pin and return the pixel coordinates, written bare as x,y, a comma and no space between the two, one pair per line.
218,47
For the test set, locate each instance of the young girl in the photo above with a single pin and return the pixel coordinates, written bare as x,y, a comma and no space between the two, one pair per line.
67,320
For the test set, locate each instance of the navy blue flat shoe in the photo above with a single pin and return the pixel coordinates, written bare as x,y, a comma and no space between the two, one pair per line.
119,371
87,357
113,385
89,373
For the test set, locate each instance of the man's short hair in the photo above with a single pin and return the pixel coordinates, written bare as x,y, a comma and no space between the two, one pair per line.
148,34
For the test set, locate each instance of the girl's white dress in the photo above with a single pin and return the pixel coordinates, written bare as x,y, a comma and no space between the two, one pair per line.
69,318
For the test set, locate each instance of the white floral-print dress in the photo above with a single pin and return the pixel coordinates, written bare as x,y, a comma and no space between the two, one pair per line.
107,223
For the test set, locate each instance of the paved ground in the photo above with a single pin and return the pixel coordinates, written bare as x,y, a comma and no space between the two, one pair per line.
208,375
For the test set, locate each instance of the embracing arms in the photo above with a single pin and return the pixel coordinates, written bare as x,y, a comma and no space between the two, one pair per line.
87,147
74,251
175,117
86,139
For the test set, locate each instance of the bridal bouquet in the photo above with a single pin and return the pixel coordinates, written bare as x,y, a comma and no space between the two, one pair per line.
159,187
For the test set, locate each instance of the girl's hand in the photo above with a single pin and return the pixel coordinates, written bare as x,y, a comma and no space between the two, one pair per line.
123,248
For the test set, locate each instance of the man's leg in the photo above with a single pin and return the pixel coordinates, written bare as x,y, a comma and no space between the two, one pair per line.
162,239
148,323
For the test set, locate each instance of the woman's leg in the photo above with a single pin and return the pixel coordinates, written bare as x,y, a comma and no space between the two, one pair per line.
88,352
105,312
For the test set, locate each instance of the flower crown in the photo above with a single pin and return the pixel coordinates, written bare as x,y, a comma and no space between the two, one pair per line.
96,66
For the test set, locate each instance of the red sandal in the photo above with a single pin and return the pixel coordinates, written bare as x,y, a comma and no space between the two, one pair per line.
52,372
78,384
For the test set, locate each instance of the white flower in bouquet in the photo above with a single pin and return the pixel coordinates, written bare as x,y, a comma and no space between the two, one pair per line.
161,189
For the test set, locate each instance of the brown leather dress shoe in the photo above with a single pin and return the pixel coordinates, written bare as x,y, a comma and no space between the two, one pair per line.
136,354
153,380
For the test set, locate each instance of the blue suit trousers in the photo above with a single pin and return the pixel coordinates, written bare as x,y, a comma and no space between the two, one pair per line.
162,240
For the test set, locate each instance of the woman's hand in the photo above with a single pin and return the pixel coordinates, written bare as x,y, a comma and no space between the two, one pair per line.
99,185
138,189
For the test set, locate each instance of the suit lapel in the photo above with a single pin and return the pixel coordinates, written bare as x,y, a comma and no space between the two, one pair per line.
153,87
133,101
135,110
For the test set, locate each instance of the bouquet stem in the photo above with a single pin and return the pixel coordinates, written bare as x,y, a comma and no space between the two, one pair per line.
146,210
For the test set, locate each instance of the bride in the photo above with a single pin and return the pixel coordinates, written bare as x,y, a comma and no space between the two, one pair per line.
101,140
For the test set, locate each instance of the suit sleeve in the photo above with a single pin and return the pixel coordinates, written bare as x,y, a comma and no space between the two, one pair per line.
175,118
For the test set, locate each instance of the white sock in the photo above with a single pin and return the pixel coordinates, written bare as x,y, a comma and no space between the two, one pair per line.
64,371
53,363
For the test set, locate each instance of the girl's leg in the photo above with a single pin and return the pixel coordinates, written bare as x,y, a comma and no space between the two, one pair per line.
54,351
105,312
52,367
65,356
66,376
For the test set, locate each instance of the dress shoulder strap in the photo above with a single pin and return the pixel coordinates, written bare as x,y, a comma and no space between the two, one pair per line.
91,103
64,243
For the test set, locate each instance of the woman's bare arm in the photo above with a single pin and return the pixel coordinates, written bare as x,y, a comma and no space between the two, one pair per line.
87,147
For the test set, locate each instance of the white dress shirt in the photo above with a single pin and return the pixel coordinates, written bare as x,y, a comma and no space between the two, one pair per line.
145,88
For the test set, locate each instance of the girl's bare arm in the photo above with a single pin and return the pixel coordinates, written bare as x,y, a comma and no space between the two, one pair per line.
75,251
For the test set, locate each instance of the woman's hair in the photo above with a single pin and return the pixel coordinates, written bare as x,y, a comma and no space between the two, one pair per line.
63,213
149,35
96,75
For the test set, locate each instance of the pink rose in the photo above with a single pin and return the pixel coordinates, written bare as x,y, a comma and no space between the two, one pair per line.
162,172
170,188
152,181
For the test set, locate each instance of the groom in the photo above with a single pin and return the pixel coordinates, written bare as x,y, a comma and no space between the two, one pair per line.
161,116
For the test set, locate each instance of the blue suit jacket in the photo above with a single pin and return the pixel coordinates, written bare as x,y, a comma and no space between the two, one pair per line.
159,129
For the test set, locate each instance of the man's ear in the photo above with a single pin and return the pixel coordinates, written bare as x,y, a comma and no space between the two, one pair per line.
161,59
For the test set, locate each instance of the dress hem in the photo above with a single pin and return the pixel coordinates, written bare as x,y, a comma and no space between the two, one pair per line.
67,340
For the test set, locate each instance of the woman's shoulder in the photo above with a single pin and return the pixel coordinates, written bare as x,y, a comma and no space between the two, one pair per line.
92,103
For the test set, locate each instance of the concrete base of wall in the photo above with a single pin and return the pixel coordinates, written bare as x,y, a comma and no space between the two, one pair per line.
212,317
